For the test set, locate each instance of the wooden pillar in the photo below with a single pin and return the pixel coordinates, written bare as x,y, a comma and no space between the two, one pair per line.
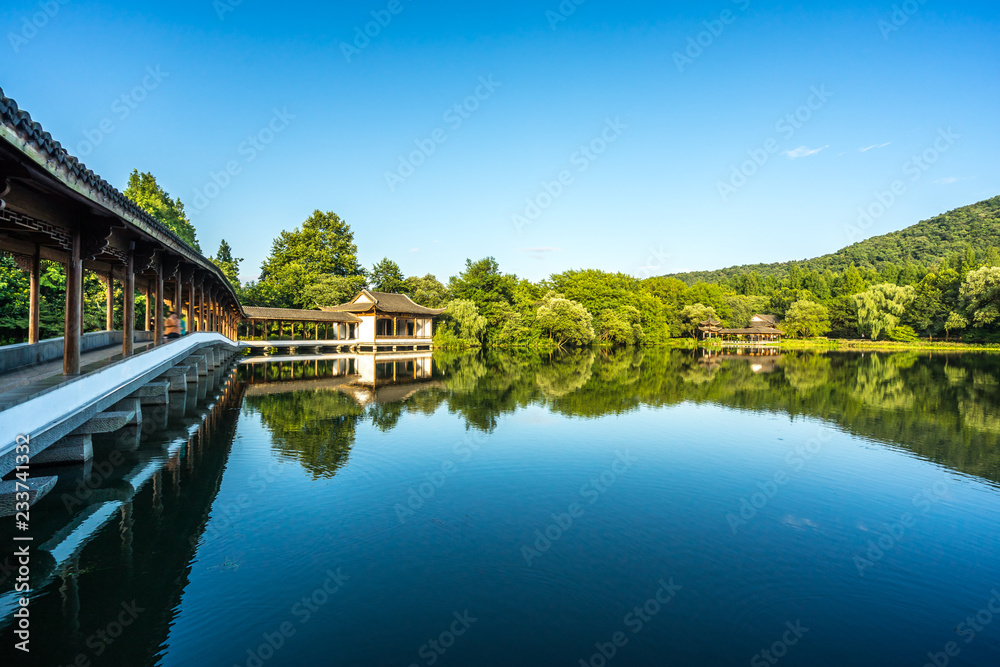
178,305
281,330
191,328
264,332
34,303
73,325
201,308
128,306
149,297
109,305
158,309
317,331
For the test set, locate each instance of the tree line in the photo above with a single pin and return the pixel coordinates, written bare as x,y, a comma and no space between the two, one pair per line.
316,264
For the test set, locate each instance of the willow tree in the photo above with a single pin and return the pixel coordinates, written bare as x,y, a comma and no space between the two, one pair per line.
881,307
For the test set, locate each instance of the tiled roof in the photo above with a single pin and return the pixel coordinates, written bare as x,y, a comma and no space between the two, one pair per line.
292,315
386,302
30,132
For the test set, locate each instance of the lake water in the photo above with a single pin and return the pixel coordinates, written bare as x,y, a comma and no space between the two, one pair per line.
602,508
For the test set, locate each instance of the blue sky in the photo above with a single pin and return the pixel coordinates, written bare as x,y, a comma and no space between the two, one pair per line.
647,130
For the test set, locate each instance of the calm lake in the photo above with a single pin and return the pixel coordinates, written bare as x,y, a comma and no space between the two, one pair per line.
648,507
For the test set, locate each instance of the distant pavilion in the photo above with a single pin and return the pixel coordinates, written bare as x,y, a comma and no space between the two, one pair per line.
371,321
762,329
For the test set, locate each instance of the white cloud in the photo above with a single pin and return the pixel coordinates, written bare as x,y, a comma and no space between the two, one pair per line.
948,180
414,249
538,250
874,147
803,151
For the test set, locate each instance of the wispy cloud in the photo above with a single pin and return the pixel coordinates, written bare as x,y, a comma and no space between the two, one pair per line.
414,249
538,250
874,147
948,180
803,151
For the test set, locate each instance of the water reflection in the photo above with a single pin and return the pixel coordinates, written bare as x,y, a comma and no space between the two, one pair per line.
940,406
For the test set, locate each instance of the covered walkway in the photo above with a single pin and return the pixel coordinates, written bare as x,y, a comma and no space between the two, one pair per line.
54,209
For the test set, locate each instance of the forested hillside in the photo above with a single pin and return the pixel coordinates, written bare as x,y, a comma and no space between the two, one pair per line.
926,244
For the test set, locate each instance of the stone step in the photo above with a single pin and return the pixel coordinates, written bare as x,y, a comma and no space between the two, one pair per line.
107,422
37,488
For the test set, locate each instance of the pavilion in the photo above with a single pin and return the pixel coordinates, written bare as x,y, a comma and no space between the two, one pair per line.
762,329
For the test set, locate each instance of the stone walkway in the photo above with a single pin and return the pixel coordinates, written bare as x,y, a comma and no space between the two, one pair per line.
22,384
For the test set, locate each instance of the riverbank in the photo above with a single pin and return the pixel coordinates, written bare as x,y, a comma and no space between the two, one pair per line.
825,344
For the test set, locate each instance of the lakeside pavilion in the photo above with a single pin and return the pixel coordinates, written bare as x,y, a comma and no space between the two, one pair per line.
385,318
762,329
371,322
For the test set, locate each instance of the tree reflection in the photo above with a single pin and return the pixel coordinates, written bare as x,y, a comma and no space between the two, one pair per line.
941,407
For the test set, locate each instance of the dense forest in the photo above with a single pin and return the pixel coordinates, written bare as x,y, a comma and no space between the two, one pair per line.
938,279
926,244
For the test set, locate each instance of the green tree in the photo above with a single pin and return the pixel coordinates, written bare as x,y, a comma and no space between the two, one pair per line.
470,324
980,296
229,265
322,246
482,283
695,314
881,307
150,197
955,322
427,291
806,319
387,277
566,322
333,290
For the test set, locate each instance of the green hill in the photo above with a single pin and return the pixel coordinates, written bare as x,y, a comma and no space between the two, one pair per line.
925,244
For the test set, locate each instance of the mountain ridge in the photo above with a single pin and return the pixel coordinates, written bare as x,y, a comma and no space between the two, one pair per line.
926,244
